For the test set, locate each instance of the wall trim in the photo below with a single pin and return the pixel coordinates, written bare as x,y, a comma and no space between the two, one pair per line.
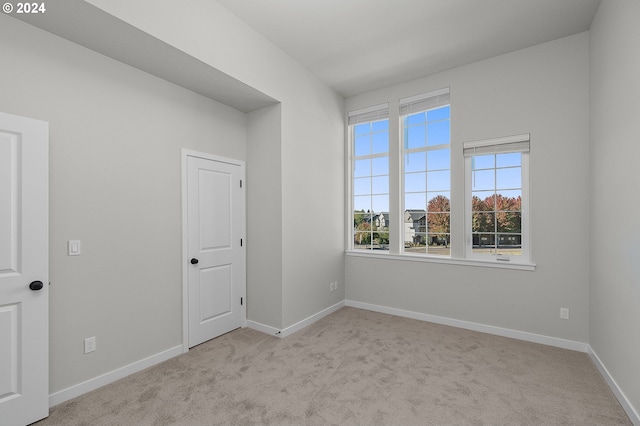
110,377
263,328
613,385
310,320
483,328
297,326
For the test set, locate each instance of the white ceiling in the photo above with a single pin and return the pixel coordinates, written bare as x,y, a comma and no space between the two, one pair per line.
360,45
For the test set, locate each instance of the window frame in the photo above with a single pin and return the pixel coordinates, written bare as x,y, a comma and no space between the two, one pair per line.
365,115
404,151
510,144
458,191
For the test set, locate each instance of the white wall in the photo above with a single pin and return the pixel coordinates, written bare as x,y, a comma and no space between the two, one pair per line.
115,184
541,90
615,193
264,206
310,149
116,135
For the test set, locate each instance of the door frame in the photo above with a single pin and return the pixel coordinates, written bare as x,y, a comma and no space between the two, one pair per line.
186,153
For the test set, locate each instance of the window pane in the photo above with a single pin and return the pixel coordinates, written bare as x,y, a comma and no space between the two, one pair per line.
483,180
482,201
362,168
417,244
415,201
380,203
378,126
438,202
496,203
483,162
415,162
510,178
427,181
439,181
509,201
363,128
370,179
415,118
439,113
416,137
439,159
380,143
362,237
438,223
483,222
362,203
380,166
438,133
509,160
415,182
438,244
362,186
509,244
484,243
380,241
359,217
380,185
509,222
362,145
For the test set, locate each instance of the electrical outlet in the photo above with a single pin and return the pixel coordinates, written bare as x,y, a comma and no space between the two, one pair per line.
330,286
564,313
335,285
89,344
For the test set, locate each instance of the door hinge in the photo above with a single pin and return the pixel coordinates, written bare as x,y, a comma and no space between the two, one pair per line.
240,183
241,300
240,242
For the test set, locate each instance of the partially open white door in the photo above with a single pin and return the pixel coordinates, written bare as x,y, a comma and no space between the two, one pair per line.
24,270
215,248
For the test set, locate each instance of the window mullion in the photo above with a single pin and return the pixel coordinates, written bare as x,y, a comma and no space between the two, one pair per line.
395,182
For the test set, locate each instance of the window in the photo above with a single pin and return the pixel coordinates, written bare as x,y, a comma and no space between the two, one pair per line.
426,140
497,194
369,130
411,196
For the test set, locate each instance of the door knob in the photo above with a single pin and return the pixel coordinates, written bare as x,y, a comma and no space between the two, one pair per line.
36,285
194,261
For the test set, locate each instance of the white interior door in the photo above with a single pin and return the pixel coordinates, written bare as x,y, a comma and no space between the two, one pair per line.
24,270
215,247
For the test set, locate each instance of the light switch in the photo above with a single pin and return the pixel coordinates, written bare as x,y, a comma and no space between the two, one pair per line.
74,247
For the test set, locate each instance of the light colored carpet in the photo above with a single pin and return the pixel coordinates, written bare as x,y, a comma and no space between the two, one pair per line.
357,367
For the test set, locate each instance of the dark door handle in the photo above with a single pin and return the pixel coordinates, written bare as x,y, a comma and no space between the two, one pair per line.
194,261
36,285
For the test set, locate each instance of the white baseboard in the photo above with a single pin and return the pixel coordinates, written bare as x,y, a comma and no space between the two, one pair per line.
267,329
297,326
489,329
313,318
110,377
613,385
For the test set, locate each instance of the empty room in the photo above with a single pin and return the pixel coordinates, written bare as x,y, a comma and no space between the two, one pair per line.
306,212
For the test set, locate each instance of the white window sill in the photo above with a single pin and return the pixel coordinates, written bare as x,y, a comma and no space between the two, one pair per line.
446,260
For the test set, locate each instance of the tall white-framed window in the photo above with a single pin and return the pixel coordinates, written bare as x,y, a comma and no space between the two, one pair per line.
426,173
497,199
369,164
